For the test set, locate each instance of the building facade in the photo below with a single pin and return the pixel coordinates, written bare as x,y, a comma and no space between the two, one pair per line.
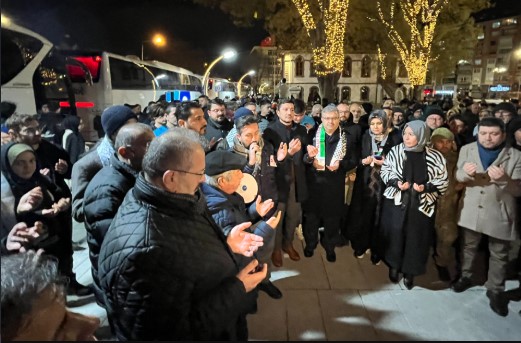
495,70
357,83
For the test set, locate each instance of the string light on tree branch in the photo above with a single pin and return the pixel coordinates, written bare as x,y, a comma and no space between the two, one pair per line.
414,46
328,53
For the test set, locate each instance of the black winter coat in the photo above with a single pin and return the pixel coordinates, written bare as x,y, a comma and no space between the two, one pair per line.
103,197
167,271
276,133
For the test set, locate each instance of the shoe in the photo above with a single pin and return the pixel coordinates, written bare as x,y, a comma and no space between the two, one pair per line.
293,254
443,273
359,253
408,282
461,285
270,289
331,256
394,275
308,252
276,258
375,259
498,303
75,288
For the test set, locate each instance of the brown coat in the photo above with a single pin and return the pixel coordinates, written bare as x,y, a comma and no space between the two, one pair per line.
487,206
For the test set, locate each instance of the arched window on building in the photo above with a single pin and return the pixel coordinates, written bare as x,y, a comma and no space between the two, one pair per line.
346,94
402,72
312,71
346,72
366,67
299,66
364,93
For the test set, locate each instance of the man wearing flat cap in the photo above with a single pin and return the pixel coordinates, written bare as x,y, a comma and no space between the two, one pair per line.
227,207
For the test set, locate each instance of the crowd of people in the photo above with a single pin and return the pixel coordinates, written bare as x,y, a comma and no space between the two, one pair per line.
178,254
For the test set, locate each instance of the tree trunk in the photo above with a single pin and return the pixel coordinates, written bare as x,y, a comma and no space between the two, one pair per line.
417,93
327,85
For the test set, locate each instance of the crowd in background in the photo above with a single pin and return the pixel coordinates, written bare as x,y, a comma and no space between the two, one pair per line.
177,252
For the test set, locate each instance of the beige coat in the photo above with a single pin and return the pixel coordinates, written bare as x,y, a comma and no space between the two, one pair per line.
487,206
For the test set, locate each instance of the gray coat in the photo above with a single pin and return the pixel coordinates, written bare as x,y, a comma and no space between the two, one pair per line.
489,207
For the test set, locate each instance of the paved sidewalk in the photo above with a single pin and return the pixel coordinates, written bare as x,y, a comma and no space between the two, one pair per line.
353,300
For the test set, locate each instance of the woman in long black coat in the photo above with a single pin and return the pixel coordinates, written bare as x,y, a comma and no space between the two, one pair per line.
366,204
415,176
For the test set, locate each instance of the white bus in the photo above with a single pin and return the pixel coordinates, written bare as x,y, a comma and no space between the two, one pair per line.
33,71
221,88
101,79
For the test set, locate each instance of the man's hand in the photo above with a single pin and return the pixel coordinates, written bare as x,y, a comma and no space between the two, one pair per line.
244,243
249,278
497,173
282,152
403,186
312,151
21,235
252,153
61,167
45,171
470,168
294,146
30,200
334,166
62,205
274,221
379,162
263,207
418,188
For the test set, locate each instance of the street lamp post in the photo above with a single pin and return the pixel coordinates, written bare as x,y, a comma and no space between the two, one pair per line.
251,72
227,54
158,40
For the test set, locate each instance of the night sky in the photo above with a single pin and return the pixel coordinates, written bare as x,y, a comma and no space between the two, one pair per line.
195,34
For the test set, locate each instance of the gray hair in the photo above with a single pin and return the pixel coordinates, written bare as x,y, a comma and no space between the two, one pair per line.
24,277
214,179
172,150
329,109
128,134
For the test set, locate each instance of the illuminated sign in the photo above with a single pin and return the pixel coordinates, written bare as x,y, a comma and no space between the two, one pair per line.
444,92
177,95
500,88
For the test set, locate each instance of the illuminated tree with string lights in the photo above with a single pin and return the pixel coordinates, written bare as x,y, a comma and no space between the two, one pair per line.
325,23
414,43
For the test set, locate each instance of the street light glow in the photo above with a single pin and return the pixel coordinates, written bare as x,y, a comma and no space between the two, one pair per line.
228,54
251,72
159,40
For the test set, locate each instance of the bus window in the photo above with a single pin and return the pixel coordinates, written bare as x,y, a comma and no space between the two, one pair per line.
17,51
51,83
129,75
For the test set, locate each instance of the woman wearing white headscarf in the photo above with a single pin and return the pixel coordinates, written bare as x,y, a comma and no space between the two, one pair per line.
415,176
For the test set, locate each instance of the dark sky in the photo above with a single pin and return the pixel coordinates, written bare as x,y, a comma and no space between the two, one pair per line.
195,34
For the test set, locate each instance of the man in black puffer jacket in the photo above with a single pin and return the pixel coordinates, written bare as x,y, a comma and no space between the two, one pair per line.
166,269
108,188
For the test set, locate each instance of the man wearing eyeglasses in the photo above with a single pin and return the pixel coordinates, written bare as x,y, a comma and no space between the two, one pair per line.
218,125
166,269
108,188
505,111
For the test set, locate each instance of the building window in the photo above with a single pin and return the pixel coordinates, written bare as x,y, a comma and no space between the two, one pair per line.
510,21
492,43
346,93
314,97
366,67
312,71
299,66
477,62
496,24
477,70
346,72
481,36
364,93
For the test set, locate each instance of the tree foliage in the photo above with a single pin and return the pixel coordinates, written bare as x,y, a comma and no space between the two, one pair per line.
454,38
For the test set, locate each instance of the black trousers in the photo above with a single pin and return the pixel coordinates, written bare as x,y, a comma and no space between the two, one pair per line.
310,225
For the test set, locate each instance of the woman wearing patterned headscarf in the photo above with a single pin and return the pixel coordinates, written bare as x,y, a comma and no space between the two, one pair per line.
415,176
364,212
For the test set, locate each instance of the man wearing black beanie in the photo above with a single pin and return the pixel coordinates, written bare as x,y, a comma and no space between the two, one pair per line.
112,119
